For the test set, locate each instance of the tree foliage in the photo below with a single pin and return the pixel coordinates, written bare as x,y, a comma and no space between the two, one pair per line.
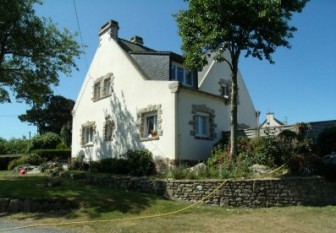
51,116
228,28
32,52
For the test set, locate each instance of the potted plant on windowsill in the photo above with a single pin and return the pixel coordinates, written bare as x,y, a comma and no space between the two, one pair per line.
154,133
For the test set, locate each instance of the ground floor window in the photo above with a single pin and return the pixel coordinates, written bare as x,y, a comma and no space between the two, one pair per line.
109,127
87,133
203,122
150,122
202,125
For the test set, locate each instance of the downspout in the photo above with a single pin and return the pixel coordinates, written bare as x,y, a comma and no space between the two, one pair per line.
174,88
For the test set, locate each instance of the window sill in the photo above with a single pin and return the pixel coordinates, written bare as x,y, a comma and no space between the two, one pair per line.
100,98
90,144
202,137
149,139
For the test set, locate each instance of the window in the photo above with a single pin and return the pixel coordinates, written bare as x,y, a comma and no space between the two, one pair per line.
107,87
225,91
202,125
96,95
189,78
87,135
182,75
108,130
103,87
149,121
150,125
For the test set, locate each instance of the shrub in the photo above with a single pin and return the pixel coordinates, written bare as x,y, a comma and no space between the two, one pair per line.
139,162
45,141
307,164
111,165
226,165
326,141
54,154
31,159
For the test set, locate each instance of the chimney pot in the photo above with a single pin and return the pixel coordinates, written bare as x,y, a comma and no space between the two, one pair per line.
137,40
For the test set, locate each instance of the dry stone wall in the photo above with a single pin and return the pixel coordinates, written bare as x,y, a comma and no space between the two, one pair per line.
315,191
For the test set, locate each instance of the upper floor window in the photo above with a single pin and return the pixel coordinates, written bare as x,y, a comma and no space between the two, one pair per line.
182,75
107,87
102,87
96,91
225,89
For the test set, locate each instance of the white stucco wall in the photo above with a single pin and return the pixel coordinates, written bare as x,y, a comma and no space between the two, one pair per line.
210,84
189,147
131,92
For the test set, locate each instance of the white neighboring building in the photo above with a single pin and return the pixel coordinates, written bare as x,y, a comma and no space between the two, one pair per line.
134,97
271,121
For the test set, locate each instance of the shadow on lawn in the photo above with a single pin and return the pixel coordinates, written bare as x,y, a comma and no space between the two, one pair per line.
93,200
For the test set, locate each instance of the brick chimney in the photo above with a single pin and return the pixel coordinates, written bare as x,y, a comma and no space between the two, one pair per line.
111,27
137,40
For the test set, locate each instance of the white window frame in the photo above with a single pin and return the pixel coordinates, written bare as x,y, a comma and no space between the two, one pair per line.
88,135
148,130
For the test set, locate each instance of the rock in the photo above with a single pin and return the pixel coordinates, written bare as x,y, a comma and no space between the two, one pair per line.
259,169
198,168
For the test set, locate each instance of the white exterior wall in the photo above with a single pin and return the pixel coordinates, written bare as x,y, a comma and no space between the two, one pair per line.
210,84
190,148
131,93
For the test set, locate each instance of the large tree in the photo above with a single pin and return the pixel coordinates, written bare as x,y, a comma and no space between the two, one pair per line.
33,52
51,116
253,27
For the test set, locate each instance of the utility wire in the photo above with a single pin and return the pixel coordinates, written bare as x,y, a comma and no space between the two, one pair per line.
80,32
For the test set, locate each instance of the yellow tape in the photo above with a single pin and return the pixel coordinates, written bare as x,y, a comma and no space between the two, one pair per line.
119,219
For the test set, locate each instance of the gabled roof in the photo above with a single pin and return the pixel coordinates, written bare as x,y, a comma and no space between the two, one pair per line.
129,46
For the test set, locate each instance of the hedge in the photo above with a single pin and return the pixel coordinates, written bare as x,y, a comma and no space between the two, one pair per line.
52,154
5,160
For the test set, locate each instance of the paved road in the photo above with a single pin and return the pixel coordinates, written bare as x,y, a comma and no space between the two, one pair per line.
5,225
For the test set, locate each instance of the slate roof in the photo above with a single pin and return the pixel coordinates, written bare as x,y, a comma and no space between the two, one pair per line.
129,46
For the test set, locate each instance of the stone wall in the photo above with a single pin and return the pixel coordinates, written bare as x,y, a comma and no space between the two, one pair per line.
35,205
315,191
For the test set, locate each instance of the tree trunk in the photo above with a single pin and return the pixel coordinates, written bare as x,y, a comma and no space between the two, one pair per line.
234,107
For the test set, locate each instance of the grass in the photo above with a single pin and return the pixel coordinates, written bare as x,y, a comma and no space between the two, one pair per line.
126,210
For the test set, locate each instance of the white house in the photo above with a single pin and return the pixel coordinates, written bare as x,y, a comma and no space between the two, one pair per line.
134,97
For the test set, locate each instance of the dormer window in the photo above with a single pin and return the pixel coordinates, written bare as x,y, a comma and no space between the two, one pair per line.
184,76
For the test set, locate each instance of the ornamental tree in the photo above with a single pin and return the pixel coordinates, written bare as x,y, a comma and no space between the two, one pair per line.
234,27
33,52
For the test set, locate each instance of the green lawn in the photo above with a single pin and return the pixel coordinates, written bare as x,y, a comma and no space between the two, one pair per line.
117,211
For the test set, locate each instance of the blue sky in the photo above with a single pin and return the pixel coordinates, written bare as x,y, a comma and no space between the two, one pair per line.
299,87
